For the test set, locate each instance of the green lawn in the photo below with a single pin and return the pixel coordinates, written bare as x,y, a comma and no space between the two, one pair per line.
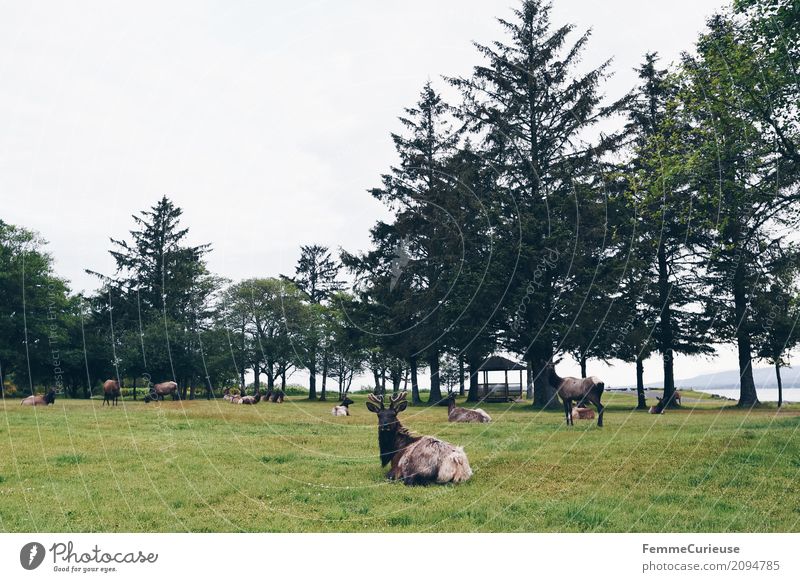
211,466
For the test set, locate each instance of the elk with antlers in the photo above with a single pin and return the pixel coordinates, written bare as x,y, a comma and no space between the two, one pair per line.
416,460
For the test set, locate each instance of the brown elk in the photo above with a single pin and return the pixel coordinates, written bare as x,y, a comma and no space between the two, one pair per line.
415,460
457,414
659,408
158,391
111,392
277,396
40,400
579,389
582,413
342,409
251,399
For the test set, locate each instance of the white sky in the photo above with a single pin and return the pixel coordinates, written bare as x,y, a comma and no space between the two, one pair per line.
265,122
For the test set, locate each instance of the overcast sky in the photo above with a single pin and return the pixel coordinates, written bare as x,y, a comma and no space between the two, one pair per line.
266,122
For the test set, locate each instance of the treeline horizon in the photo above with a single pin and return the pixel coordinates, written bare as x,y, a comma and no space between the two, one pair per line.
511,230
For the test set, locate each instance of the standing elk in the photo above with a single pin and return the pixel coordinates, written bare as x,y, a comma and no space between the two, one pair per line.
456,414
40,400
416,460
579,389
111,392
342,409
158,391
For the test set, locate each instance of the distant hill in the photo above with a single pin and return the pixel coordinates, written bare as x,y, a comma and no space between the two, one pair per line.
764,378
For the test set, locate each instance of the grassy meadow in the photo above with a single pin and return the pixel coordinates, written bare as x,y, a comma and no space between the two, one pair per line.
209,466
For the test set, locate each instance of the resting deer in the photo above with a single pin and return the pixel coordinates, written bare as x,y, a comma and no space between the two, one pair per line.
456,414
40,400
416,460
343,409
251,399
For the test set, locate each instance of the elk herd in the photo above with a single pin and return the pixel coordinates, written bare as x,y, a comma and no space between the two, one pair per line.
413,460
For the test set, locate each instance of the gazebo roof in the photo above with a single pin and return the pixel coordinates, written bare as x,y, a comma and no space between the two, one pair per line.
499,364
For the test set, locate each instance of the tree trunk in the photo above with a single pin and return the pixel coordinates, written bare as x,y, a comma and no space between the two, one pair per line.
747,392
397,377
780,384
283,379
412,363
376,375
134,387
436,383
583,365
641,403
666,337
529,380
312,376
323,396
544,395
270,379
473,364
460,376
191,390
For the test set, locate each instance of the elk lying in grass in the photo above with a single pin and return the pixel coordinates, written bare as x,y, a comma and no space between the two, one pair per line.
275,396
251,399
579,389
158,391
226,395
343,408
659,408
416,460
39,399
111,392
456,414
582,413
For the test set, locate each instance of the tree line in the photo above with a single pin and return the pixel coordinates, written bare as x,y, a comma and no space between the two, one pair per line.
531,216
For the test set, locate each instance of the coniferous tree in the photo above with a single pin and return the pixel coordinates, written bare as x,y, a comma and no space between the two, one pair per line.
532,110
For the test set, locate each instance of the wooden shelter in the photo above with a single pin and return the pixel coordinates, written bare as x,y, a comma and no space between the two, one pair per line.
500,391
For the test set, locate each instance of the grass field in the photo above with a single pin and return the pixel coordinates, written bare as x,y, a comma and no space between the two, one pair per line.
210,466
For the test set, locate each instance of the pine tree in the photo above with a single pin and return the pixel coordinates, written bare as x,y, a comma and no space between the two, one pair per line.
532,111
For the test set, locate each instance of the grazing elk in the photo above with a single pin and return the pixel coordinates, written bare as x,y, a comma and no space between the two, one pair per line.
40,400
456,414
158,391
277,396
416,460
579,389
111,392
343,408
251,399
582,413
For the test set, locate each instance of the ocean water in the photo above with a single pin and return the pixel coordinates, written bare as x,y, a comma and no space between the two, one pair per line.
764,394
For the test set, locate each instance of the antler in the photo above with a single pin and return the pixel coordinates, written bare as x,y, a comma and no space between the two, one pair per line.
397,399
376,400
